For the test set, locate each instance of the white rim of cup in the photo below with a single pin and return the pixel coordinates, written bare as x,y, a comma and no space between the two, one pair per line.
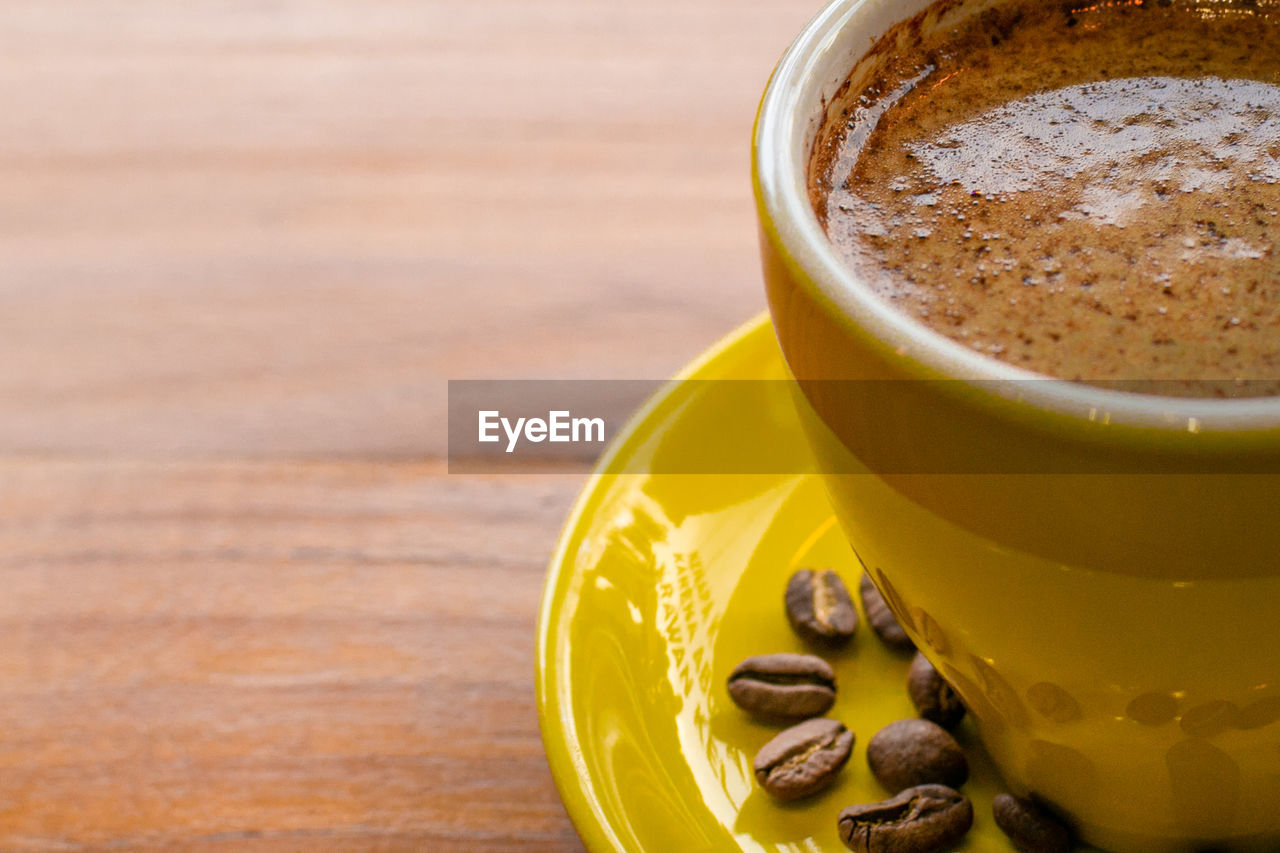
805,79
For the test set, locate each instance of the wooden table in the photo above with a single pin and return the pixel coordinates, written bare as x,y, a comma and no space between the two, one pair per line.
243,245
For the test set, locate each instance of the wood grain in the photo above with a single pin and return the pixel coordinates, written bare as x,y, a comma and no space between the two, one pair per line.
276,228
242,247
215,652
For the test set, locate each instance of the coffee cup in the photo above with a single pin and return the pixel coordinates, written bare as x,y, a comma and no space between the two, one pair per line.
1093,570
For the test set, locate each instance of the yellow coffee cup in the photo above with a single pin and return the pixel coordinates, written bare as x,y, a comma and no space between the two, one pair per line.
1096,572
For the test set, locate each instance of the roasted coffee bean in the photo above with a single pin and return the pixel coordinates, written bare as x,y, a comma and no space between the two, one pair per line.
783,687
918,820
935,699
881,617
819,608
1031,828
804,759
916,752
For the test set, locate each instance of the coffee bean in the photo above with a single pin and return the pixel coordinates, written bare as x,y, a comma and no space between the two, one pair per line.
881,617
918,820
916,752
1211,718
819,608
1152,709
935,700
783,687
804,759
1053,702
1031,828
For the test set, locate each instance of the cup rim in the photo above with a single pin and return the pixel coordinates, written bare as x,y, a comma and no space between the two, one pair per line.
779,145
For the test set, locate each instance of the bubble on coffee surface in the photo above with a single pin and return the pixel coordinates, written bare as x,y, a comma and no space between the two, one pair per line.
1052,190
1133,140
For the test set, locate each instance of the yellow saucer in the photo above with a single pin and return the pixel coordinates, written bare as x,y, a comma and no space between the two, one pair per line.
660,585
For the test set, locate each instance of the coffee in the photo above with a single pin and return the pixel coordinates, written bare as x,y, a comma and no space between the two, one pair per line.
925,818
934,699
882,620
914,752
1030,826
804,759
819,608
1088,191
783,687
